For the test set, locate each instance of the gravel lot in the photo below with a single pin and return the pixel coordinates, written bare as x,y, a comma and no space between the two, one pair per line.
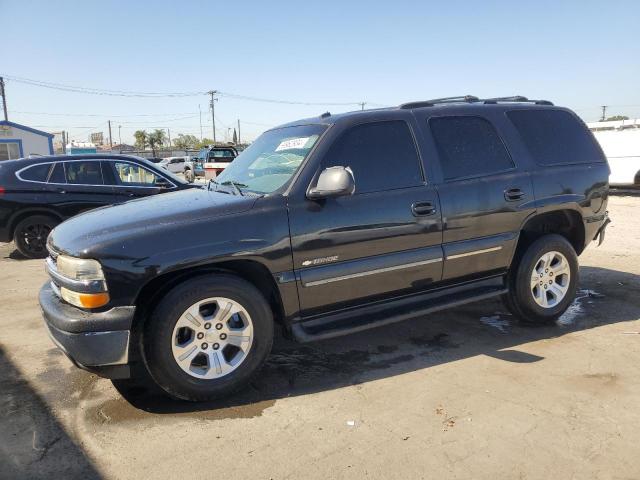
465,393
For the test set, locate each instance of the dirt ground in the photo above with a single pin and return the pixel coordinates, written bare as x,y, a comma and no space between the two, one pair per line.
466,393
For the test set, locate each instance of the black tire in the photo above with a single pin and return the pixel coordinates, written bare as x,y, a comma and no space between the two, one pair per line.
158,331
520,300
30,235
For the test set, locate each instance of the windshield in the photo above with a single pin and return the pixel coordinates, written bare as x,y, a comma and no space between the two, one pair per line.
270,161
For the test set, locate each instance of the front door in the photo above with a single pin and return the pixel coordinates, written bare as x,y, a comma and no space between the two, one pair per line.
380,242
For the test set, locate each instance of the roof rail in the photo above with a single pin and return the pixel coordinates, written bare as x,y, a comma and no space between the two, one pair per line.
515,98
472,99
435,101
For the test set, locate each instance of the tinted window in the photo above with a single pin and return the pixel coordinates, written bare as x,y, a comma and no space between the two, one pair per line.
84,173
57,174
555,136
468,146
382,156
37,173
130,174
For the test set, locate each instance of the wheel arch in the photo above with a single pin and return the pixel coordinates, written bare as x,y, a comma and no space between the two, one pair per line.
565,222
250,270
30,212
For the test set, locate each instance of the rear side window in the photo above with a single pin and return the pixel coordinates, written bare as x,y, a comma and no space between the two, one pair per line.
37,173
469,146
84,173
382,156
133,175
555,137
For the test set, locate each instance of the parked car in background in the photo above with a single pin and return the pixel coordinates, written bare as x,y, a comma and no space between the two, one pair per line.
311,229
187,165
215,159
37,194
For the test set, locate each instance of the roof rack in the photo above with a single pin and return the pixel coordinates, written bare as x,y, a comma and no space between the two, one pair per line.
515,98
472,99
435,101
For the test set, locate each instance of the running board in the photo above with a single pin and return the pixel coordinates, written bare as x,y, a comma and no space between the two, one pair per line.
391,311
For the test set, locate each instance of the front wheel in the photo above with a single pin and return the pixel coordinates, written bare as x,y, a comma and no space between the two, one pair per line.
188,175
208,337
543,283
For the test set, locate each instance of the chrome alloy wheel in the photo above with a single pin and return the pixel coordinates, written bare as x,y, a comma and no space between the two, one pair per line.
212,338
550,279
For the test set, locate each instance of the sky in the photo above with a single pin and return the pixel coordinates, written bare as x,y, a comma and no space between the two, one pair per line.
580,54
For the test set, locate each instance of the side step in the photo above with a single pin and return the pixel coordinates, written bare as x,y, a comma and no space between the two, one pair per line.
391,311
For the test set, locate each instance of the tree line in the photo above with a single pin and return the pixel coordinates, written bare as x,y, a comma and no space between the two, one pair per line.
158,138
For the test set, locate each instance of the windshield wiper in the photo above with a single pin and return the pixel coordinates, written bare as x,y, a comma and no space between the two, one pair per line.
236,186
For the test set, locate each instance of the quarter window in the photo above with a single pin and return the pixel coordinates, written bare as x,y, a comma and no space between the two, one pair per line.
555,137
382,156
37,173
84,173
468,146
135,175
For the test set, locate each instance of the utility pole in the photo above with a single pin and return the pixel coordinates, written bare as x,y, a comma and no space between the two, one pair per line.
169,135
110,141
604,110
213,113
4,98
239,141
362,104
200,110
120,136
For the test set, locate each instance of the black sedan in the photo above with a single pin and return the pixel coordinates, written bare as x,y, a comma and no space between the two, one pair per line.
38,193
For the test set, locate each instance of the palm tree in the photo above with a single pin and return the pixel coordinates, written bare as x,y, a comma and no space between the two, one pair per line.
156,139
142,139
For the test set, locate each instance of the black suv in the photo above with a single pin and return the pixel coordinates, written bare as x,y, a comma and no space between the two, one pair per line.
327,226
38,193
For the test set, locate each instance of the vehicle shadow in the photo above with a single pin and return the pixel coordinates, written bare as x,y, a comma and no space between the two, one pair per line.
484,328
34,444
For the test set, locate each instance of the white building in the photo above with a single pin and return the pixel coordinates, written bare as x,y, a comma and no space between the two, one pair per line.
18,141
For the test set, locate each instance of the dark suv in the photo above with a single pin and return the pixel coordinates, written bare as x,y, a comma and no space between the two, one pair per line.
327,226
38,193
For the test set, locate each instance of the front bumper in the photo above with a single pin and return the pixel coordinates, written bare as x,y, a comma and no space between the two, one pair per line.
94,341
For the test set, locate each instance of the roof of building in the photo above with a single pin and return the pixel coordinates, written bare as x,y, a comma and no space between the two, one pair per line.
25,128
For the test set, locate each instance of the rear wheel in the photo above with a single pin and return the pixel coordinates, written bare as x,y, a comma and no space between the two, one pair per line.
30,235
188,175
543,283
208,337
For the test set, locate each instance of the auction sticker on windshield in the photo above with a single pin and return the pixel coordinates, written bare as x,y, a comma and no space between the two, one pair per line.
292,144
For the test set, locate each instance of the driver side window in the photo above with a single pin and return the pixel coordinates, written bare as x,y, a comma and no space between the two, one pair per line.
130,174
381,155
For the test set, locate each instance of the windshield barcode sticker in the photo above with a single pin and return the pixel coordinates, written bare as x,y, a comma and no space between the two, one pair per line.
292,144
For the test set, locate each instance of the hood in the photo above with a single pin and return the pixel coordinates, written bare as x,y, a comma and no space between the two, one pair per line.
147,217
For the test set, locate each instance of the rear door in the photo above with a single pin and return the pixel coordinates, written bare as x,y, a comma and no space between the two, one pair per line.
485,195
380,242
78,185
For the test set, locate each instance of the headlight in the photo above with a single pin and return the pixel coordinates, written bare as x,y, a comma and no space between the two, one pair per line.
79,268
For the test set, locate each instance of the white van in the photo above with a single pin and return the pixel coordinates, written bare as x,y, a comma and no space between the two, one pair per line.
620,141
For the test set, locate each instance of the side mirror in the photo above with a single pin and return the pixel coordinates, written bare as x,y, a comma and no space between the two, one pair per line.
162,182
333,182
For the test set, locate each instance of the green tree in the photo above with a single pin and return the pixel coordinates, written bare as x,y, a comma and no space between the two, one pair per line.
156,139
204,142
616,118
142,139
184,142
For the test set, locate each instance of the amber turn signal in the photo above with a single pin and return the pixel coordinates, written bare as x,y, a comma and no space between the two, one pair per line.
85,300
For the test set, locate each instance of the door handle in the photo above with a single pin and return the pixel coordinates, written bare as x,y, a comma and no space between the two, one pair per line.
513,194
420,209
